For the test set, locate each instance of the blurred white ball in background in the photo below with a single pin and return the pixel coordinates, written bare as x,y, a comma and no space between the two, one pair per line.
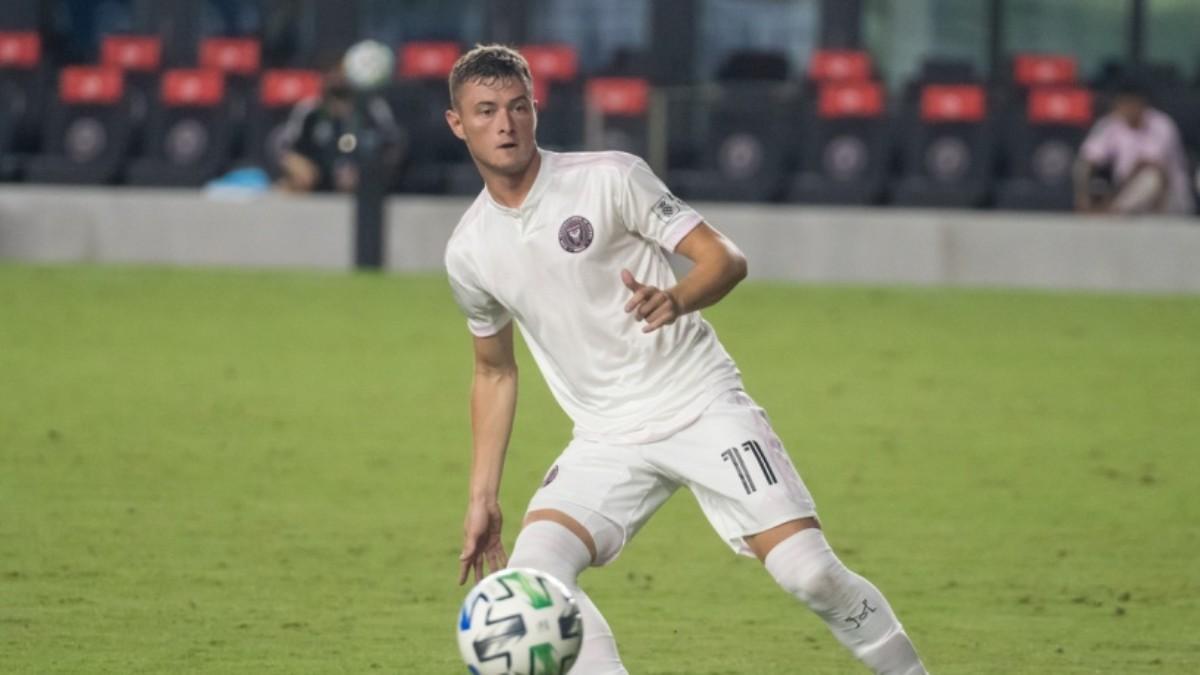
369,65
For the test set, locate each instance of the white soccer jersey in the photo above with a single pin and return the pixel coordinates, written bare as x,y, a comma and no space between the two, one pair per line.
554,265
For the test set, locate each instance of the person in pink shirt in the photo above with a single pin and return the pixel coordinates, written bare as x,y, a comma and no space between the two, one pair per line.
1142,147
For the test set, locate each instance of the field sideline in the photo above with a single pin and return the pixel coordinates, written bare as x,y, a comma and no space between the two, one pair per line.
264,472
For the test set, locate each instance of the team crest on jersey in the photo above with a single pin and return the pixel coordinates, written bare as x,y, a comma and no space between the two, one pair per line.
575,234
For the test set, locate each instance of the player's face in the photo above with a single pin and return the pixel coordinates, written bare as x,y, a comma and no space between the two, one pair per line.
1131,108
497,121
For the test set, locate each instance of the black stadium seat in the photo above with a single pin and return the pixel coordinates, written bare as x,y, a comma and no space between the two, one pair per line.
190,132
844,151
1170,93
437,161
1046,116
88,133
24,81
140,57
747,154
844,132
240,59
615,112
1042,151
559,94
946,145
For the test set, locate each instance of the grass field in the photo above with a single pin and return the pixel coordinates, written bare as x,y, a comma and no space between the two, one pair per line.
236,472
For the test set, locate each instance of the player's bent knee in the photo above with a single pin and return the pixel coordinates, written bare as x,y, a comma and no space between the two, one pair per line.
547,546
603,537
816,585
806,568
575,527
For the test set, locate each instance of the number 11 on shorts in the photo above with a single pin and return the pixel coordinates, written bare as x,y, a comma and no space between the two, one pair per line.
739,465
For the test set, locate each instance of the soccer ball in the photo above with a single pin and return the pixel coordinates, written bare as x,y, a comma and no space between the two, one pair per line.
519,622
369,65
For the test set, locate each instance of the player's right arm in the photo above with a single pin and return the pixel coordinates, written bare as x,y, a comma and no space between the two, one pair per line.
493,407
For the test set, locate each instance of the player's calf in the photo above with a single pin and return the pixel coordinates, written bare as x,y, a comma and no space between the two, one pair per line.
857,613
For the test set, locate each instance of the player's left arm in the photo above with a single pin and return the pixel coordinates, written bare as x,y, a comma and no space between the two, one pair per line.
718,266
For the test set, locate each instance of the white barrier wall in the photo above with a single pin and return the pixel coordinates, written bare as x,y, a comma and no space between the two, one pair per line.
791,243
173,228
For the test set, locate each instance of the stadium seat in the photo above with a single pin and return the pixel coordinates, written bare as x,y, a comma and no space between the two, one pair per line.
1169,92
1043,149
946,140
140,57
559,93
844,132
240,59
746,156
1045,115
437,161
615,111
189,136
840,65
88,134
279,92
24,81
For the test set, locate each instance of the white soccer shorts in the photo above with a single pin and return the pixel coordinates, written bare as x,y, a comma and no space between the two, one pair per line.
730,458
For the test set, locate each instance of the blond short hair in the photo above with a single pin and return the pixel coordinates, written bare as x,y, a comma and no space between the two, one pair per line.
488,64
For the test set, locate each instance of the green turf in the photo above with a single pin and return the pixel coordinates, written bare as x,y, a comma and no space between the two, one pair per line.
235,472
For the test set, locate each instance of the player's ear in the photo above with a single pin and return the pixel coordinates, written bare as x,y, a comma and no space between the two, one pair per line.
455,121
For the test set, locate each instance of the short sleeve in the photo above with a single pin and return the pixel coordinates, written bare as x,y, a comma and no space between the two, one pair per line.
485,315
1098,146
1164,142
295,136
650,209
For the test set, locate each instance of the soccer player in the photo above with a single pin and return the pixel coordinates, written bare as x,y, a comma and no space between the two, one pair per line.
571,247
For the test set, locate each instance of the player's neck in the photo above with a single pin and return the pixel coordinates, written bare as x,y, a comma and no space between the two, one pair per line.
511,190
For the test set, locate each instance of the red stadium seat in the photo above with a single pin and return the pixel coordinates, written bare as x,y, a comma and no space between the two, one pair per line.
189,138
232,56
1042,70
428,60
828,65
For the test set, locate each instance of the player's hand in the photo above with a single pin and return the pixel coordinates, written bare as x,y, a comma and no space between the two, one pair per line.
653,305
481,542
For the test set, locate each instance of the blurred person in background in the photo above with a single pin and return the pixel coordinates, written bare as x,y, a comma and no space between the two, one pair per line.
1142,148
322,137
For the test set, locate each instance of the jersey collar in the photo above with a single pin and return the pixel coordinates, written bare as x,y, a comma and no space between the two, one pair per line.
535,191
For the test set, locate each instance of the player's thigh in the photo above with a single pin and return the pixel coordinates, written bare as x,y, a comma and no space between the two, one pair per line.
737,468
610,490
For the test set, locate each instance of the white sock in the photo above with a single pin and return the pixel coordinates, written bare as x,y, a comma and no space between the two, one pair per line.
856,612
549,547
